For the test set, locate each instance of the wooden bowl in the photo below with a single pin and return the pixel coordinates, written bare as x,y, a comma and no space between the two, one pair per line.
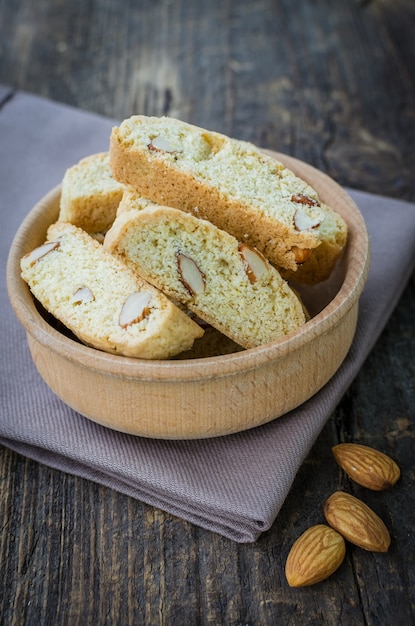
199,397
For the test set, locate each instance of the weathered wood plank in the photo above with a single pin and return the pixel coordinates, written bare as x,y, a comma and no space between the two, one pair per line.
331,84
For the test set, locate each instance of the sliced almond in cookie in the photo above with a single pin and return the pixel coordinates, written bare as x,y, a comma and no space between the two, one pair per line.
190,274
303,221
82,295
135,308
303,199
42,251
301,254
255,264
160,144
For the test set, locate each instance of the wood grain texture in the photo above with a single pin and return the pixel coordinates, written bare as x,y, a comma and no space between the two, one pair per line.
332,84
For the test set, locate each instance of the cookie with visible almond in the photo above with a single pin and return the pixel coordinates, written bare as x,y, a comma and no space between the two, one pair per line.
228,284
235,186
103,302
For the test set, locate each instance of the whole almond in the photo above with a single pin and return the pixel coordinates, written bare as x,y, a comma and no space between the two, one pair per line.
314,556
353,519
366,466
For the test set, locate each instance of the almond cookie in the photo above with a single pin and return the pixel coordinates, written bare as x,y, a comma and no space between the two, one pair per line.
232,184
229,285
90,196
103,302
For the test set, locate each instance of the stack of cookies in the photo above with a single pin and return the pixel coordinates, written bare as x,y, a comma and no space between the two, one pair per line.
178,230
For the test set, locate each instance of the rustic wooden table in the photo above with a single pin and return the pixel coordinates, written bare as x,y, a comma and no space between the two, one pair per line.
332,83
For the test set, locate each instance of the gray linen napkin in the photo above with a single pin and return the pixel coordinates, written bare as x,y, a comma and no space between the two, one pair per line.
233,485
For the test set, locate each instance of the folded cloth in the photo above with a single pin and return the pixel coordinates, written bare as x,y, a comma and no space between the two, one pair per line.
233,485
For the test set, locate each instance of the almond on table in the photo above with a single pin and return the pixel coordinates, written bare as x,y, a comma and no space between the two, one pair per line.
314,556
353,519
366,466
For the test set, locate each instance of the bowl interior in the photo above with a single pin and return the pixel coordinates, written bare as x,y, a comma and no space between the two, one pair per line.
327,302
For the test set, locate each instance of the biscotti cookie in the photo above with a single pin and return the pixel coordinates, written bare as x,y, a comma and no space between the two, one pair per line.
101,300
90,196
131,199
316,268
229,285
228,182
